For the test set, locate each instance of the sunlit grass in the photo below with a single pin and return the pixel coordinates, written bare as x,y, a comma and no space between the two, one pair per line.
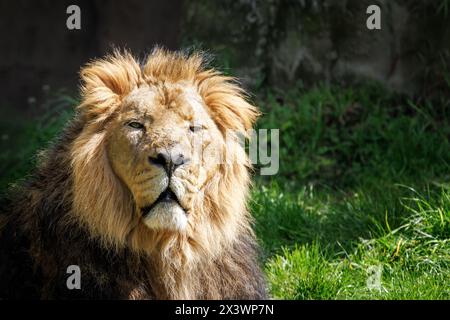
364,184
314,254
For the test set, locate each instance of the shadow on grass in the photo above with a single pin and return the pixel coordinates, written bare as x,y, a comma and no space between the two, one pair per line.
22,139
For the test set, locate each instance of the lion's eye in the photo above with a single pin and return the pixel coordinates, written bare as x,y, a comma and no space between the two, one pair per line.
136,125
195,127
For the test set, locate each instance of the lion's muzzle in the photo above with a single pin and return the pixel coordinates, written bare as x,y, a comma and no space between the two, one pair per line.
166,196
165,212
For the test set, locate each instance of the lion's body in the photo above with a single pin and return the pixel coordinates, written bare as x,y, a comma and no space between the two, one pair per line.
42,233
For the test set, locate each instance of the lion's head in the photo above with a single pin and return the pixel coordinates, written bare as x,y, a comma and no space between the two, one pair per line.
149,166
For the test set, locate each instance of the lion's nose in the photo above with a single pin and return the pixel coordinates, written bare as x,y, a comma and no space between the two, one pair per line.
170,161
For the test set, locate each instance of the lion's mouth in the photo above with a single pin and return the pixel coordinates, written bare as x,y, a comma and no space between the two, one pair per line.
165,196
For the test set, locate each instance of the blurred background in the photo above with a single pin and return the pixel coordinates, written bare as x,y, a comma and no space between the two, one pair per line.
364,119
277,43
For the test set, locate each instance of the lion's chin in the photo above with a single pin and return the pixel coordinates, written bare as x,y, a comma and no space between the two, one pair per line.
166,216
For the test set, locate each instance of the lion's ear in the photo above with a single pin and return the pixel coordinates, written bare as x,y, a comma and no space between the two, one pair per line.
105,81
227,102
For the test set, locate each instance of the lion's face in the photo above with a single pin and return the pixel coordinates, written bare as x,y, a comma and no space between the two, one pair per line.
163,145
151,165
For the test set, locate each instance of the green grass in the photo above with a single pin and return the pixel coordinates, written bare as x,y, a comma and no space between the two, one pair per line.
364,184
320,249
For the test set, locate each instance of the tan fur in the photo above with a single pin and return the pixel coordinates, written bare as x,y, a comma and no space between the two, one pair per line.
106,201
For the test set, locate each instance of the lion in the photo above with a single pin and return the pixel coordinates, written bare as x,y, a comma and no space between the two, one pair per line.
136,192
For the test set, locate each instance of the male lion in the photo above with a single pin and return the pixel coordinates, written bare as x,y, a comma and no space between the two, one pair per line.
136,193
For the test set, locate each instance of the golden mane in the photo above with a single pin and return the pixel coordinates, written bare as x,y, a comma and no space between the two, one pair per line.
104,206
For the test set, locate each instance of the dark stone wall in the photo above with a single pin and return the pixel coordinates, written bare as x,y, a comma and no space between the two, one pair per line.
38,53
278,43
282,43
